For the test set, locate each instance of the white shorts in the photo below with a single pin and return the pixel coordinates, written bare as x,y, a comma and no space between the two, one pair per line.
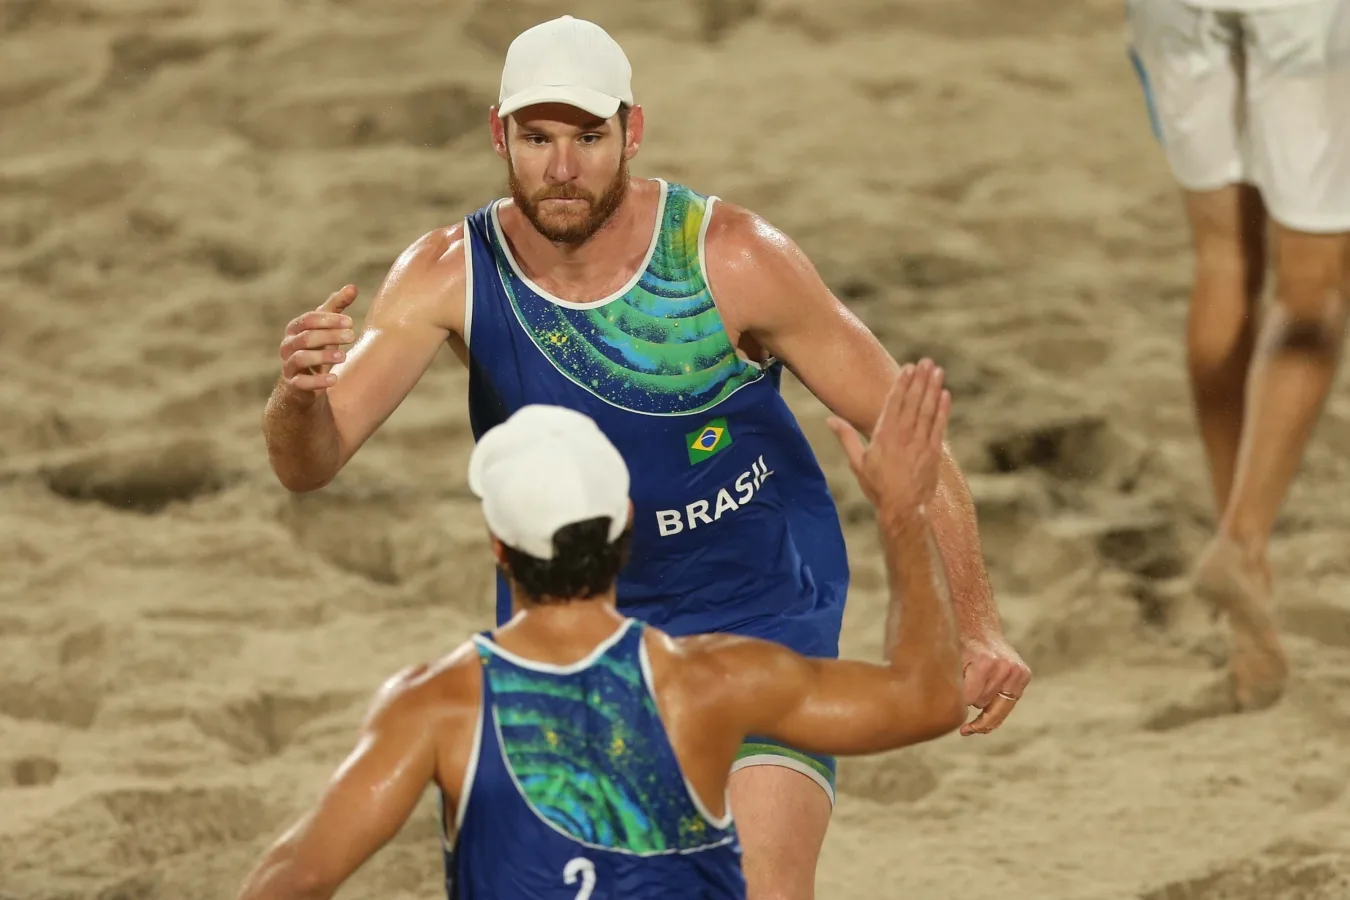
1261,97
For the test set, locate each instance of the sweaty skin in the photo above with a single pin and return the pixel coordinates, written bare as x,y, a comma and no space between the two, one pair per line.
328,402
712,690
772,302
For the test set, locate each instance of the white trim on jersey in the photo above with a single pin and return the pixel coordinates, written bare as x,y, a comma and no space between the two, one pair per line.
723,823
550,668
632,282
712,201
786,762
468,282
470,770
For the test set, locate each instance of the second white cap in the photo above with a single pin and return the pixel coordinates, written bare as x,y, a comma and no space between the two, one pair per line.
542,469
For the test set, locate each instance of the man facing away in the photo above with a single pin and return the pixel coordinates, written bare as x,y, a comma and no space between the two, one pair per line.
583,755
667,317
1251,101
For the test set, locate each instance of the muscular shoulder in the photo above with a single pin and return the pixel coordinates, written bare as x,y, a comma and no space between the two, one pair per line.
440,250
754,269
427,281
737,235
724,665
441,692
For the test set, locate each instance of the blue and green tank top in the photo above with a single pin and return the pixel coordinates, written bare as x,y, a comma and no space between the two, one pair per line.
735,527
574,792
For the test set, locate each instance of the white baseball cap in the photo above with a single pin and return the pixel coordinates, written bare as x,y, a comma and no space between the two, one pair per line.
544,468
566,60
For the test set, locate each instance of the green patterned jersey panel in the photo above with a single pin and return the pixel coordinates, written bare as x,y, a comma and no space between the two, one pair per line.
659,348
589,753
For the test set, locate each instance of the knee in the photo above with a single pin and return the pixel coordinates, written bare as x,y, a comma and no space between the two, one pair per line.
1311,323
1314,278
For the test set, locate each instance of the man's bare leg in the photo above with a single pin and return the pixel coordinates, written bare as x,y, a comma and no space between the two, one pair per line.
1228,227
781,817
1295,362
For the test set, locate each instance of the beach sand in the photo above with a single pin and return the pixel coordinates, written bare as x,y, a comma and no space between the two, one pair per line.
186,648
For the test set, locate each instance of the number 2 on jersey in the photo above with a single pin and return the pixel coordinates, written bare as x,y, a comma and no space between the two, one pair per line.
586,869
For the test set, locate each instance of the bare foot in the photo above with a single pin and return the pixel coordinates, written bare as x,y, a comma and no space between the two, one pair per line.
1240,588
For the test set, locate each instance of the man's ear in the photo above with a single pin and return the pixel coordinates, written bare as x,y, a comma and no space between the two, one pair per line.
497,127
637,124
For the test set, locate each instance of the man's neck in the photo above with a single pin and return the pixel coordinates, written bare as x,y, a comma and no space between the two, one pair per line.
600,264
564,615
559,632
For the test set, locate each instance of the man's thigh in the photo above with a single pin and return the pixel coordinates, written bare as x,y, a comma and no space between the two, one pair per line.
1189,68
781,815
1298,108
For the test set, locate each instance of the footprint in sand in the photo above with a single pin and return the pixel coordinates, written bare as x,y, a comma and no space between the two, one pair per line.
16,15
83,643
32,771
223,388
76,704
1209,699
150,825
1072,448
901,777
357,113
228,256
961,19
1318,621
1065,353
398,547
964,374
1145,546
136,57
1293,870
141,478
263,725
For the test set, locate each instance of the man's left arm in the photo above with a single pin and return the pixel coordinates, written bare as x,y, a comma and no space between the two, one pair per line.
768,290
368,800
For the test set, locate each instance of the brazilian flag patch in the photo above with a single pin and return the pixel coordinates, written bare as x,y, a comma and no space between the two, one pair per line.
711,438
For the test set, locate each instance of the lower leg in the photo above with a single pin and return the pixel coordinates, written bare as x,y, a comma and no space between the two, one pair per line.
1295,364
1228,226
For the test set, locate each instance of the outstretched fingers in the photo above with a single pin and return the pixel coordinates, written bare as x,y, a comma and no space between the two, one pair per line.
928,403
944,413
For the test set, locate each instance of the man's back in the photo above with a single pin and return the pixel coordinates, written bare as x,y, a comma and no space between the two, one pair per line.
574,789
586,755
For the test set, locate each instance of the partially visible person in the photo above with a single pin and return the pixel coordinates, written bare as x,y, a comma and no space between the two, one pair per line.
582,755
1251,102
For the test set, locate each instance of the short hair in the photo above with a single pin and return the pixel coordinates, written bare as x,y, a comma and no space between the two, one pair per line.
585,563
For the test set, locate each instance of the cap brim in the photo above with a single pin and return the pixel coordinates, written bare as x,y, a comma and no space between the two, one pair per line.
597,104
484,451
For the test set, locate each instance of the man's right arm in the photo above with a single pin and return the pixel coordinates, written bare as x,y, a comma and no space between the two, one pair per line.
312,433
846,707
